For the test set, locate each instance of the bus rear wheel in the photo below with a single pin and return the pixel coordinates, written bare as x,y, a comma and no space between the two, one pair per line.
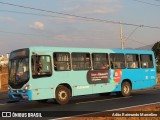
125,89
62,95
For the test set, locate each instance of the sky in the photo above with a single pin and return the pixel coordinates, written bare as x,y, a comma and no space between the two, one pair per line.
22,27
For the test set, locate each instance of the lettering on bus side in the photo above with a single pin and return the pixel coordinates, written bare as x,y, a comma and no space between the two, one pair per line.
104,76
97,76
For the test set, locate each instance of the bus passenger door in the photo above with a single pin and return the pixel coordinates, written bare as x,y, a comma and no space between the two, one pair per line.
41,74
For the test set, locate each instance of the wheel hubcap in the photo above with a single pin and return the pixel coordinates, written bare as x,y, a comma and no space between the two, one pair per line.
62,95
126,89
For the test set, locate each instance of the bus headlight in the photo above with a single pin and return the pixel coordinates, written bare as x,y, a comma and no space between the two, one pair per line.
10,89
26,88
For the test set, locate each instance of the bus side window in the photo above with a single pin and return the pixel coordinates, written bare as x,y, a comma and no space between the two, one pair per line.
81,61
146,61
61,61
117,60
132,61
144,65
33,64
100,61
41,66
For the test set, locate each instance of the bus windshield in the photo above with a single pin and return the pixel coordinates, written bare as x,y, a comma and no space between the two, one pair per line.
18,71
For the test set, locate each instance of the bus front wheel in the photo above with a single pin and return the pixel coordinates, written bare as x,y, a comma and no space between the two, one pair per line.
62,95
125,89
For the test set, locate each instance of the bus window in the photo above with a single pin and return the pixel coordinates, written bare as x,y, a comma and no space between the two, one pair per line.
81,61
117,61
100,61
132,61
61,61
146,61
41,66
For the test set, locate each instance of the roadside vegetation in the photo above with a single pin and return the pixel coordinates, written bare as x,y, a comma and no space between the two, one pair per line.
3,78
156,50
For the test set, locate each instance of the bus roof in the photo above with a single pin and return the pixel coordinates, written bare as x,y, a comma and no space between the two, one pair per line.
72,49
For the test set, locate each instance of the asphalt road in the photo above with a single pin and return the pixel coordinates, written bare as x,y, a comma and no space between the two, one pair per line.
83,104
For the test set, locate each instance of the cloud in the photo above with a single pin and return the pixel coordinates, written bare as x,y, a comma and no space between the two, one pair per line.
37,25
9,19
97,1
99,11
65,19
95,10
95,7
103,1
71,8
61,37
87,8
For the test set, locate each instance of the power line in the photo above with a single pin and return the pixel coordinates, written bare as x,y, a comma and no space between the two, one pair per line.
29,13
132,33
65,14
127,38
38,35
27,34
146,3
138,42
77,16
37,14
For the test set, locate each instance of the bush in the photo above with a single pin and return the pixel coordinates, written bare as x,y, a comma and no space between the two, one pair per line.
3,68
4,77
158,69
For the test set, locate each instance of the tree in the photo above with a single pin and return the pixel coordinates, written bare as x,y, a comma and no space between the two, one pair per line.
156,50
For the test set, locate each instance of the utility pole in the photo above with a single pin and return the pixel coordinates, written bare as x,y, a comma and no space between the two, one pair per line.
121,36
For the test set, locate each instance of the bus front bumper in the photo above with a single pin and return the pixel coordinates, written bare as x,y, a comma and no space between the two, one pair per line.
17,96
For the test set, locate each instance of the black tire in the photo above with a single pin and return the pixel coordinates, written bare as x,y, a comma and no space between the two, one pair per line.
125,89
63,95
42,101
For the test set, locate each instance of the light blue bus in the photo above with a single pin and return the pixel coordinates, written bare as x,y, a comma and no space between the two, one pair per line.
42,73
